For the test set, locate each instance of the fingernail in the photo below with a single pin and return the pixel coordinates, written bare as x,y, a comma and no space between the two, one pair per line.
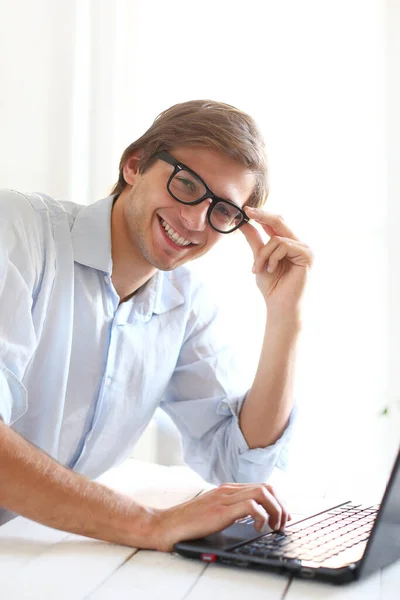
269,269
254,268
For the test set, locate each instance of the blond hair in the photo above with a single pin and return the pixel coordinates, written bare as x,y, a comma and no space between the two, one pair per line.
206,123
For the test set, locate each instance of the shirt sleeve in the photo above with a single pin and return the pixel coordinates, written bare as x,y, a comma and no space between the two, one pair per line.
18,276
204,399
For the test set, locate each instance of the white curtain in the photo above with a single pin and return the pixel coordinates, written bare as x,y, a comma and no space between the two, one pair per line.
81,80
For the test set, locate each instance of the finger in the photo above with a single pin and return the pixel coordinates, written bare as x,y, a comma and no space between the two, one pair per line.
286,516
272,224
277,255
253,237
264,254
269,230
277,249
250,507
262,496
236,487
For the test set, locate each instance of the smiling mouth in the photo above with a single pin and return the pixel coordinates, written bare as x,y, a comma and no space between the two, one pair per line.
173,235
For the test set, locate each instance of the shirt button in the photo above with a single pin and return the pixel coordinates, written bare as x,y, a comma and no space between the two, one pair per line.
106,279
108,380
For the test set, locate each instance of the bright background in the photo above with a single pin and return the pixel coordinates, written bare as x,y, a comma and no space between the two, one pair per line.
80,80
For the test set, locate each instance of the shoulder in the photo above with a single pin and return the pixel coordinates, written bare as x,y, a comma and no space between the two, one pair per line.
19,218
33,214
15,204
21,243
27,226
27,211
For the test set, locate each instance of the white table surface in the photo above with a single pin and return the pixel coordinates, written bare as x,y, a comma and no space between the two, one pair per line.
38,562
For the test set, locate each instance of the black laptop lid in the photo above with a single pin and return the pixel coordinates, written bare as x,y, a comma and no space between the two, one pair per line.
384,544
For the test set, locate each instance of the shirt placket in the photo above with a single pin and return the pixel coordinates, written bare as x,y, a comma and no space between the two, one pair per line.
104,399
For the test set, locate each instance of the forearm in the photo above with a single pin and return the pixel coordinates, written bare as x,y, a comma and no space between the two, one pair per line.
35,486
269,402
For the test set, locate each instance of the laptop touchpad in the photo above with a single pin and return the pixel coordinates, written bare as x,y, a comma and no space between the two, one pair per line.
240,531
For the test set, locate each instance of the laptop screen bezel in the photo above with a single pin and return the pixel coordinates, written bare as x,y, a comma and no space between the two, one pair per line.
367,563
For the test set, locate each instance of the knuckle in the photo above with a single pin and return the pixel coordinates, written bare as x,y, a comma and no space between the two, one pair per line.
251,505
224,487
283,243
222,490
263,493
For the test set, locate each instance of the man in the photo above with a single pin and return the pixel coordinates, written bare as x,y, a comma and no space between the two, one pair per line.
100,323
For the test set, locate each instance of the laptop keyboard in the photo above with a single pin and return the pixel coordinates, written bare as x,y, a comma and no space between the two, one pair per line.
329,534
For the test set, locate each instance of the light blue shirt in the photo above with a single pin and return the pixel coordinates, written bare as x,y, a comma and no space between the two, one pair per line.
81,374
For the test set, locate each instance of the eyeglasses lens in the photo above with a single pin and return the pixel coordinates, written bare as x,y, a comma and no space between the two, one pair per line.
225,217
186,187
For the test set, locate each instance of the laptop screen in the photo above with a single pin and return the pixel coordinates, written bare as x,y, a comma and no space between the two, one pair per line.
384,544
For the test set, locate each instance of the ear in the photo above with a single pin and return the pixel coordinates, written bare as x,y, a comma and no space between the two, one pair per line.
131,168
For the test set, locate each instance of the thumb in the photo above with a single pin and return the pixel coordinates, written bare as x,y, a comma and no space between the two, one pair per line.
253,238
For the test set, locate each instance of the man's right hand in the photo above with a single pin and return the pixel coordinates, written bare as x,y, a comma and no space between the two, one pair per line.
215,510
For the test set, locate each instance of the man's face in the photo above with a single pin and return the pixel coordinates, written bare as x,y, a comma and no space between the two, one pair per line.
153,216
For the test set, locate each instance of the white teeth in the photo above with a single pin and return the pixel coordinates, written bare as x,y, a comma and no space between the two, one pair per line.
181,241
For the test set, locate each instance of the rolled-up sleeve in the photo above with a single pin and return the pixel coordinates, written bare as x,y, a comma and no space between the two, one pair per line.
204,400
255,464
18,274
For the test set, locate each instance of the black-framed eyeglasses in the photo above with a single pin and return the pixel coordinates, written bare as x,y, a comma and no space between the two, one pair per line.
187,187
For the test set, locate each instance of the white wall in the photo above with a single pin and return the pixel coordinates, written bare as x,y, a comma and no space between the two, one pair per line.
393,226
36,40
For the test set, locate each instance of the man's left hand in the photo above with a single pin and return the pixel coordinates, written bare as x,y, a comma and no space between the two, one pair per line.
281,265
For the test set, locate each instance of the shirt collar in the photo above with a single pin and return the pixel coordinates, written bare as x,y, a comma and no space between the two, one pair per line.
158,295
91,235
91,239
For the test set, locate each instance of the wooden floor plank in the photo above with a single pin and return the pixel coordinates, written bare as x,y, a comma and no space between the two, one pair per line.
149,576
70,570
390,582
368,589
21,542
234,583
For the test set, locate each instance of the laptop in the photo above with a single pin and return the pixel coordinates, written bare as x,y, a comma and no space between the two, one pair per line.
341,544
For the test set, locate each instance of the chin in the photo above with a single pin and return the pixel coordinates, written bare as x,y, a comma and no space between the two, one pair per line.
161,265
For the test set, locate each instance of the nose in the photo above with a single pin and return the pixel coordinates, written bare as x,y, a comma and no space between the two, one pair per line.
195,216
